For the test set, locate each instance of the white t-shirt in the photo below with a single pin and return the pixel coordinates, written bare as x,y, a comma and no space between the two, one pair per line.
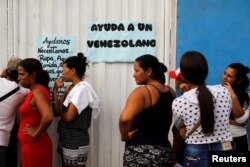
83,95
9,108
186,112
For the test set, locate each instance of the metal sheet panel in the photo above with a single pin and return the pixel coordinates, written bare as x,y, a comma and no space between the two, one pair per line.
112,81
3,34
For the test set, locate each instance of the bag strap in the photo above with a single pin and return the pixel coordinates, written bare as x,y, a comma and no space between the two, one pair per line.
149,94
9,94
195,127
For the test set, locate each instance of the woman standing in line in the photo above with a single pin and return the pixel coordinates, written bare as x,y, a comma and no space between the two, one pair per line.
236,81
208,107
147,116
35,115
75,107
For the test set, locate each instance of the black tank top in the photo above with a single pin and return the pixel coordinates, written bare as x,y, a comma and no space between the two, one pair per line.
153,123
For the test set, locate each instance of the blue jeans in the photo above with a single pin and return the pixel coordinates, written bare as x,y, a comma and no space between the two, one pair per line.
196,155
3,150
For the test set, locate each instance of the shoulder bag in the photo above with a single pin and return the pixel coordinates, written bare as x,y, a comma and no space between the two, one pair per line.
179,138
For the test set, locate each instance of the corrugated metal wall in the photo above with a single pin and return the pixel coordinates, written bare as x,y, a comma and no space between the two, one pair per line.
3,33
27,19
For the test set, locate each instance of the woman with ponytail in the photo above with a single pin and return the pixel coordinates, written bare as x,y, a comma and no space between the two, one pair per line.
147,116
76,106
235,79
206,107
35,115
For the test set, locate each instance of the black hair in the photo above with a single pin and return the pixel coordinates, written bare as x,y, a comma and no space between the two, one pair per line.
13,75
242,83
194,69
78,62
149,61
32,65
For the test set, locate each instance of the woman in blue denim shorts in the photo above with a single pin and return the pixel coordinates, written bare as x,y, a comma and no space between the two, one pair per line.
209,104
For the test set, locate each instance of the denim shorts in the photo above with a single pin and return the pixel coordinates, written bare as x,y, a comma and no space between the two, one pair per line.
196,155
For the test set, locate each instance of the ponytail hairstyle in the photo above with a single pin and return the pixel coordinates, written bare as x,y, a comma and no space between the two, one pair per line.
32,65
242,83
158,69
78,62
194,69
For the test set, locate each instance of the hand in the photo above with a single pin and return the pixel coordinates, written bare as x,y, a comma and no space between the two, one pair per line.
233,122
58,84
30,130
182,132
183,87
230,89
131,133
4,74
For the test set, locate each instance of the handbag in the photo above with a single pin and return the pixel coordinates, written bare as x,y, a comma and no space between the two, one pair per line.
9,94
179,139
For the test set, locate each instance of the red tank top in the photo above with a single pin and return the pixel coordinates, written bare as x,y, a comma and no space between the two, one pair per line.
31,116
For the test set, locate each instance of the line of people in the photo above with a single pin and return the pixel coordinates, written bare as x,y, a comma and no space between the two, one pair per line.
219,112
31,97
222,112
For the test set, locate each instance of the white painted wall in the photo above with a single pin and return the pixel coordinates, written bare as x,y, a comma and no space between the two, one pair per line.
27,19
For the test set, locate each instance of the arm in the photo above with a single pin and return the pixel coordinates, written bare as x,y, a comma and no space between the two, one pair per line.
57,103
134,105
233,122
238,111
177,118
243,120
71,112
40,102
77,101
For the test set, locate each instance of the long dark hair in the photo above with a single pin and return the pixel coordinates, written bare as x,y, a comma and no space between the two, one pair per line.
78,62
148,61
32,65
242,83
194,69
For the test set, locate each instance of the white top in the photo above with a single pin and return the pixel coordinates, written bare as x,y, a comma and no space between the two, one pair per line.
83,95
186,111
238,131
9,108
